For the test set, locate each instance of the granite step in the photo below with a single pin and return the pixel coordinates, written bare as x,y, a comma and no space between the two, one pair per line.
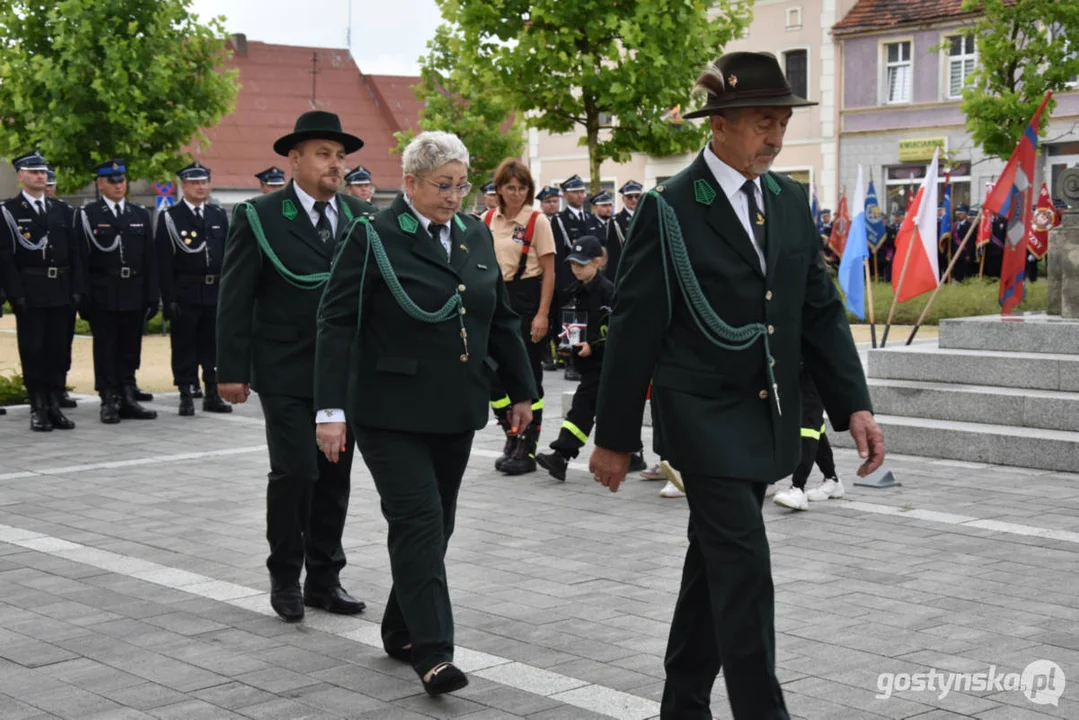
1047,409
930,363
1026,333
1033,448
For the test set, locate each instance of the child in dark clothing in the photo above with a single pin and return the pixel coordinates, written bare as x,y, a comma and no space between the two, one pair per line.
593,298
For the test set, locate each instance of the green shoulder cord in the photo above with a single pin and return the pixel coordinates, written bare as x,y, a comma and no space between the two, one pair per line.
304,282
453,306
710,324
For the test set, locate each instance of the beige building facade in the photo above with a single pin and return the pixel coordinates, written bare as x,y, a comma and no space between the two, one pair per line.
798,33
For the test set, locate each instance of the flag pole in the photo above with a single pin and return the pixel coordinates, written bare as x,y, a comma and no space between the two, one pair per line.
872,313
898,288
947,274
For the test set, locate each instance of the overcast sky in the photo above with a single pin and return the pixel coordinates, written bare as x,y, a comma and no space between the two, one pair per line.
388,36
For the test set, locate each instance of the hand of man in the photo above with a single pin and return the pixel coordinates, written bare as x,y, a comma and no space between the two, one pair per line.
539,328
520,416
235,393
332,439
151,310
583,349
608,467
869,440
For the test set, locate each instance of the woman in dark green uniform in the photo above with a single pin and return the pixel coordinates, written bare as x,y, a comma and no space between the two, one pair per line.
414,316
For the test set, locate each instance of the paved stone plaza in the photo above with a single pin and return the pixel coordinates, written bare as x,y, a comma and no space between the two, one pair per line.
132,585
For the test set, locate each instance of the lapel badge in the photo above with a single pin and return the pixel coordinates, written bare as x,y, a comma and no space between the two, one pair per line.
703,192
760,218
732,80
288,209
408,223
463,248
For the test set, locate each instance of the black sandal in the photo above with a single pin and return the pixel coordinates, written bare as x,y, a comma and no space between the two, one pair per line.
445,678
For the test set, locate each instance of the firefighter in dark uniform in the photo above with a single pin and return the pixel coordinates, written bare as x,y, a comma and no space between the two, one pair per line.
123,289
616,238
549,199
190,242
569,225
66,401
825,238
966,265
886,251
271,179
44,280
358,184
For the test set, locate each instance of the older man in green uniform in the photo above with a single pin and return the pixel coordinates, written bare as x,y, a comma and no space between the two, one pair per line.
720,295
277,260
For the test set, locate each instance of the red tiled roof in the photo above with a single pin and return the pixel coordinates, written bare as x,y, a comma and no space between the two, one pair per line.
275,89
885,14
395,97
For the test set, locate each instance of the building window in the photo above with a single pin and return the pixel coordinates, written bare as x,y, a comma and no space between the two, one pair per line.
961,60
899,72
1070,53
797,67
902,183
794,18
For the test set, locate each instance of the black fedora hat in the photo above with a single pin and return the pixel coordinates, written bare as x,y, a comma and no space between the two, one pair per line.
744,80
317,125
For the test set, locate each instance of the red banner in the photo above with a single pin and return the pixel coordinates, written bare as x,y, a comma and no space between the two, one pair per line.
840,227
985,227
1045,219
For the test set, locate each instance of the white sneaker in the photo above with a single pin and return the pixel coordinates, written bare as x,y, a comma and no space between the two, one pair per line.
773,488
795,499
829,489
673,476
653,473
670,491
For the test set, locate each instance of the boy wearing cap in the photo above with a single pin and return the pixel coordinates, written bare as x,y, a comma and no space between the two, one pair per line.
190,243
43,276
592,296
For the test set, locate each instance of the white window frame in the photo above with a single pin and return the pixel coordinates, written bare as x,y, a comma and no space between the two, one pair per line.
885,66
948,60
1074,82
794,18
809,65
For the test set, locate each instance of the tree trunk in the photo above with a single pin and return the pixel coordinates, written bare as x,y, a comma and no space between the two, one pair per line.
591,125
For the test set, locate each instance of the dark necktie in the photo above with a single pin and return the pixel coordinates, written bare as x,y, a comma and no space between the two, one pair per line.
325,230
116,210
756,219
40,207
436,232
198,213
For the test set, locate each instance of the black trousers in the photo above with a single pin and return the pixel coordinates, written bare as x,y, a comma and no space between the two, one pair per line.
42,335
582,414
70,342
117,339
725,615
194,344
306,497
418,477
525,301
133,356
815,449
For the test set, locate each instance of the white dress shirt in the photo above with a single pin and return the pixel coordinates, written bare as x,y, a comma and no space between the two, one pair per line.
192,208
34,200
337,415
308,203
731,182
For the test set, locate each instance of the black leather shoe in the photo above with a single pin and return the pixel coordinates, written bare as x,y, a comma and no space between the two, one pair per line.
110,409
130,408
554,464
57,418
287,602
66,402
213,402
187,405
572,374
3,411
637,463
334,600
39,412
196,391
507,451
445,679
142,395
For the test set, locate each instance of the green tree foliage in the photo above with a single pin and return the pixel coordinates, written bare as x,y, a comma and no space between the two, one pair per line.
87,80
1023,51
613,69
458,98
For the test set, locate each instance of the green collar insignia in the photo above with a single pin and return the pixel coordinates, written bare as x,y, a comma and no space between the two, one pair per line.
460,223
288,209
703,191
408,223
772,184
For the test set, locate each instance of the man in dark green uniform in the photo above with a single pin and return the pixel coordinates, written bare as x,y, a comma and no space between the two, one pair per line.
721,333
277,260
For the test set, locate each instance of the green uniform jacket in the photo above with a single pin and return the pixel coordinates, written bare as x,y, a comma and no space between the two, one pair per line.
266,325
714,411
403,374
